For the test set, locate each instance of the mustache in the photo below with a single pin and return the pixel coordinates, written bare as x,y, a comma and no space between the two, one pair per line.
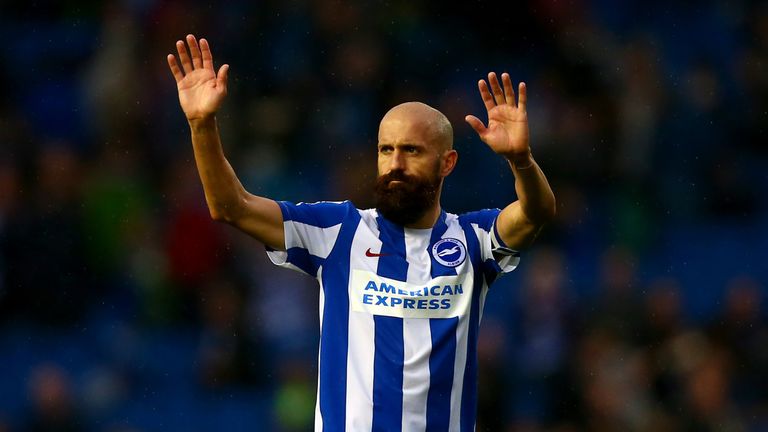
396,176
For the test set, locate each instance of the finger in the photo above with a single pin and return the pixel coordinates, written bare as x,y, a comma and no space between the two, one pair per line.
523,102
486,95
194,49
186,63
223,76
207,56
476,124
498,95
509,91
177,75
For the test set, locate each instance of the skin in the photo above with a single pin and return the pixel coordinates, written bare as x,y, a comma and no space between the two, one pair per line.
507,134
412,137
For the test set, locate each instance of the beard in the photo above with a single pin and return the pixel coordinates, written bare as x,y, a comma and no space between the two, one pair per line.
406,202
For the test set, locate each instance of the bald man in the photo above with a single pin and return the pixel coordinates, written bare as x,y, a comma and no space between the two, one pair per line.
402,284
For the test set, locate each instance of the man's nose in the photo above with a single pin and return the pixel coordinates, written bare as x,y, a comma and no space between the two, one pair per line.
397,161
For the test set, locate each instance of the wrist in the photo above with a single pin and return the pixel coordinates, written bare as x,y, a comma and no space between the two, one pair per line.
520,160
204,122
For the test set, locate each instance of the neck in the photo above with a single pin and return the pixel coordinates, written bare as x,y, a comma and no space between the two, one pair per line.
429,219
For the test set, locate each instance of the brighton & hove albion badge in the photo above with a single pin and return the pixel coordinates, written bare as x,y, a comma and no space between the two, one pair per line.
449,252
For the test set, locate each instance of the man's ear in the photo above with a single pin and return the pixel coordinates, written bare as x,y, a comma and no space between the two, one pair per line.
448,162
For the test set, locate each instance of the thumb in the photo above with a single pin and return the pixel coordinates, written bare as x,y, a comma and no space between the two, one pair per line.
476,124
222,76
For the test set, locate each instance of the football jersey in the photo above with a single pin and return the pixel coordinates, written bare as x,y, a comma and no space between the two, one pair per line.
400,311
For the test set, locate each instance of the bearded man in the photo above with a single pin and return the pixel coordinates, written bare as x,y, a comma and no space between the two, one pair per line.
403,284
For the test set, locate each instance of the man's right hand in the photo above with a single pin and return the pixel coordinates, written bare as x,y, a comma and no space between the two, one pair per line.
201,89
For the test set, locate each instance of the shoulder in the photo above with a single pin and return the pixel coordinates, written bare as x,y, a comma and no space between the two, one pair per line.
483,218
320,214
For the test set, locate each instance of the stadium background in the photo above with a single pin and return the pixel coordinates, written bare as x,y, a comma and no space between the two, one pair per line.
124,308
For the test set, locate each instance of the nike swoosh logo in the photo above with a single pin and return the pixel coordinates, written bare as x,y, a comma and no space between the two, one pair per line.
368,253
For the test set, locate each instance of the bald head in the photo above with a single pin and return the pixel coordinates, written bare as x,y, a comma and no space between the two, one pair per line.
415,154
417,117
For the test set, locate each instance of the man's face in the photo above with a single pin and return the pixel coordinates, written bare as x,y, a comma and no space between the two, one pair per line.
409,169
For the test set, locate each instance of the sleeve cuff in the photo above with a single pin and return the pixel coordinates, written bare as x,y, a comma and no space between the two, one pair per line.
506,257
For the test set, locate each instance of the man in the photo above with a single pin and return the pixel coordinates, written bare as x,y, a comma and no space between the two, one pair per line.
402,285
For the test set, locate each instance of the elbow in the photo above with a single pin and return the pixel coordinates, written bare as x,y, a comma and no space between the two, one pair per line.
221,214
217,215
229,211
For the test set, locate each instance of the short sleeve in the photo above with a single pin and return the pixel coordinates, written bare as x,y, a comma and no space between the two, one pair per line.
506,257
311,231
494,253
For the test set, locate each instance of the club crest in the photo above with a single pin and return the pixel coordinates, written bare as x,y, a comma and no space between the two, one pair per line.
449,252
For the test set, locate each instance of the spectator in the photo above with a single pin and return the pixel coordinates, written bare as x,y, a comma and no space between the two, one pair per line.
53,402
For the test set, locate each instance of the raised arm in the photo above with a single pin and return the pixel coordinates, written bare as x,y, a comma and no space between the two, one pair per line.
507,135
201,93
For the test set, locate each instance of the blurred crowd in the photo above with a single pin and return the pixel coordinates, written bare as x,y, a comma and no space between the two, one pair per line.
123,307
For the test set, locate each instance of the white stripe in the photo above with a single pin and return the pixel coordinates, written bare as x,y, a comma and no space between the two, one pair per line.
369,218
416,337
458,373
507,262
322,296
417,348
486,239
360,349
280,258
318,414
318,241
455,231
483,293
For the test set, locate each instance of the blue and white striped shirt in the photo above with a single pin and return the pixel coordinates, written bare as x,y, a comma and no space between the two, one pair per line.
400,311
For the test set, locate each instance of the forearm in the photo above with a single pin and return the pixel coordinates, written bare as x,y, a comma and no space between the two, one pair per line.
537,201
223,191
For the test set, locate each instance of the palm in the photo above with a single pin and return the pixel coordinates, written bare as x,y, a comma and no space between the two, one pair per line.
201,90
507,132
198,93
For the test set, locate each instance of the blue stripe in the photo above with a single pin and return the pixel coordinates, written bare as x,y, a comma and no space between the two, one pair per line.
496,235
388,374
469,391
335,334
388,341
443,355
483,218
321,214
437,233
302,259
491,270
441,365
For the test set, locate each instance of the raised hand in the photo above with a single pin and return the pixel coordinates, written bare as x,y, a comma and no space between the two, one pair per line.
201,89
507,131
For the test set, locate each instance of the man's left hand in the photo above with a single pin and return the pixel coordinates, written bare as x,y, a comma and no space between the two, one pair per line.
507,132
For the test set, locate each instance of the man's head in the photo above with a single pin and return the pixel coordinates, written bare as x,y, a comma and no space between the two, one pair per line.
415,154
